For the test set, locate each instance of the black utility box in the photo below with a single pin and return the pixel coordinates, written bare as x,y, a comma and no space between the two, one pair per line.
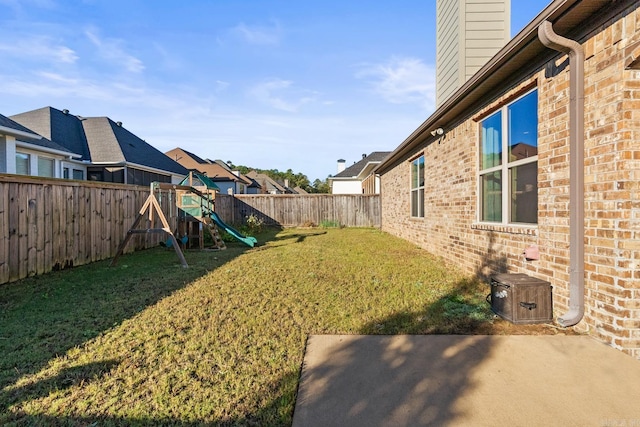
521,299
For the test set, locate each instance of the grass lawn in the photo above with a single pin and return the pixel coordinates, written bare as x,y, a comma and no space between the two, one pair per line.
150,343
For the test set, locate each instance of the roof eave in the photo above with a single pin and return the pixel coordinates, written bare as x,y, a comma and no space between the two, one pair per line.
525,41
37,147
18,133
138,166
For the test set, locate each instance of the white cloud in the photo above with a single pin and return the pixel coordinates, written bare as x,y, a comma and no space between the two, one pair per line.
58,89
403,81
112,51
221,85
39,47
259,35
281,95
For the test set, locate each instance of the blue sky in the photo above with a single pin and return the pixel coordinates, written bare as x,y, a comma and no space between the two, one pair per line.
263,83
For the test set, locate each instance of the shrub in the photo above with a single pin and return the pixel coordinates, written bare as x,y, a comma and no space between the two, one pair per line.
254,224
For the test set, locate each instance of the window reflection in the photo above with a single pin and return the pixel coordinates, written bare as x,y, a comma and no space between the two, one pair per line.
524,193
523,127
491,143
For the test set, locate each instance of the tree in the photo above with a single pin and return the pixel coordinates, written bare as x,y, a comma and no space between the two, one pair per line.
295,179
321,186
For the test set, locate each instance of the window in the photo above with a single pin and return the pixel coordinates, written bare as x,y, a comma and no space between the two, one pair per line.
22,164
508,177
45,166
78,174
417,187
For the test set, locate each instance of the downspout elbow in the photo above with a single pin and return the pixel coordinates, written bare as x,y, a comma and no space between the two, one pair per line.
576,169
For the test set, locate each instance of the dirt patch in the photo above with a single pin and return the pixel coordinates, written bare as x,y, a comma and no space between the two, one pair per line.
503,327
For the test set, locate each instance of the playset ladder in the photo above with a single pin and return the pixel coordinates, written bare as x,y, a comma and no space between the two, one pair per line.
218,243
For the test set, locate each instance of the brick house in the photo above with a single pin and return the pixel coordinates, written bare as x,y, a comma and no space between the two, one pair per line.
498,167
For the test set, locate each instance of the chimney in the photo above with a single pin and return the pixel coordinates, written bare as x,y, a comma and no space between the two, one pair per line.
341,165
286,183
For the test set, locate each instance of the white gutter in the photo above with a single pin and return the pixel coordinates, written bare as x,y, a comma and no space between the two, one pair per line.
14,132
576,168
36,147
135,165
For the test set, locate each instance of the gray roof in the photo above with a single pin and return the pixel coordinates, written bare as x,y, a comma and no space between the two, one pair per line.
37,140
60,128
266,179
356,168
97,139
109,142
8,123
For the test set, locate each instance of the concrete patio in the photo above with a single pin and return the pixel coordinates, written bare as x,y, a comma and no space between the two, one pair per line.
458,380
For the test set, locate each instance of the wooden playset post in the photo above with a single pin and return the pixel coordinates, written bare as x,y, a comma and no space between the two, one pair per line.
151,205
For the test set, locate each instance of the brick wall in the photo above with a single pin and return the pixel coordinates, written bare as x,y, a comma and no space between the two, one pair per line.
612,195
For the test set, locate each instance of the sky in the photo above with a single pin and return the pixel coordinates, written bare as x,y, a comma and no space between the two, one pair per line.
270,84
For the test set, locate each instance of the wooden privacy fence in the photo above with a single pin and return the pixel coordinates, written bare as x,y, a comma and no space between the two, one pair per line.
290,210
49,224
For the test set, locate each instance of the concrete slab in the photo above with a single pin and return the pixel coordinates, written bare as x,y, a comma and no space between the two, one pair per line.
445,380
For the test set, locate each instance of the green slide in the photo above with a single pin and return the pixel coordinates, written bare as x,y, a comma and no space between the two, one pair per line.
247,240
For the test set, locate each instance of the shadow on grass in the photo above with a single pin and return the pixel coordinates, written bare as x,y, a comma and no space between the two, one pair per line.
73,306
76,375
276,412
44,316
463,310
301,237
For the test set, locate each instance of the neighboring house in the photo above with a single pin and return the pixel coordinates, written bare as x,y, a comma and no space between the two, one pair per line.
24,152
109,152
268,185
245,184
254,187
228,181
358,178
299,190
506,172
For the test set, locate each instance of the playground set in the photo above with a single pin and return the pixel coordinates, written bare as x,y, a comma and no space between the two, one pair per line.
194,199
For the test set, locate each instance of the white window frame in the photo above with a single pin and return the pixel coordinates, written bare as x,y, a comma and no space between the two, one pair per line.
505,167
40,159
419,189
28,158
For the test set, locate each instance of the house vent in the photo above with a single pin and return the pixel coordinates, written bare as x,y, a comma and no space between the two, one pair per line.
65,111
119,124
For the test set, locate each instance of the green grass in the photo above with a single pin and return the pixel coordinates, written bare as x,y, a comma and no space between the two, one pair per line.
329,224
221,343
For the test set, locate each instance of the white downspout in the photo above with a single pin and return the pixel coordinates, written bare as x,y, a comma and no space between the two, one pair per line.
576,169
